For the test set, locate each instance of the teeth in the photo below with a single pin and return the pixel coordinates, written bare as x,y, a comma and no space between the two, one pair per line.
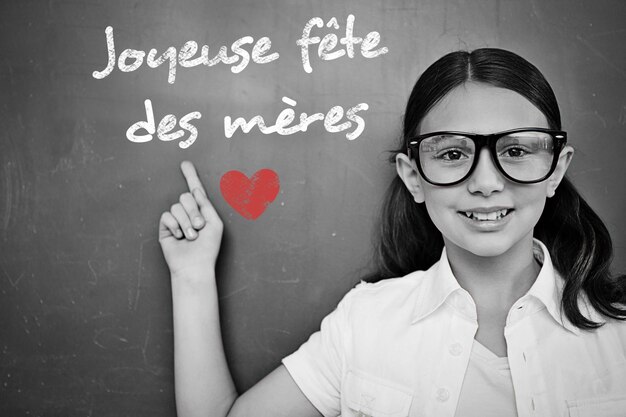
494,215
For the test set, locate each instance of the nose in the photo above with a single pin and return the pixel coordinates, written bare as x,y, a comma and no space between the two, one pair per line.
486,179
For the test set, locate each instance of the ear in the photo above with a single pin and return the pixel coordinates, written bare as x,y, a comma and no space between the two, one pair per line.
559,172
407,171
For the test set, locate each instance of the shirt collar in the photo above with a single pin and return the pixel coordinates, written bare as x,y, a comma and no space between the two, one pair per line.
439,283
548,289
548,286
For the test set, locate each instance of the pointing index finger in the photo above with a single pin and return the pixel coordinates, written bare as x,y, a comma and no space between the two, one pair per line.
193,181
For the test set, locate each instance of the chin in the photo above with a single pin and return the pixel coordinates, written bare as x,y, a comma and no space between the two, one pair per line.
488,252
487,246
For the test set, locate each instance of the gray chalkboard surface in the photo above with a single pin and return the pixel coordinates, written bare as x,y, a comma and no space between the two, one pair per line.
85,309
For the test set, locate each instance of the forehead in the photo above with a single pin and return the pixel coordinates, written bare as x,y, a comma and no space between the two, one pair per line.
482,108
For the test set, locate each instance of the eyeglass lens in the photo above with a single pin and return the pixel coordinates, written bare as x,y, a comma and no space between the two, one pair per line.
524,156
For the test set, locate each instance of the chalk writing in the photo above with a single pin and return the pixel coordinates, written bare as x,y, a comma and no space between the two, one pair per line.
329,42
288,115
183,57
244,50
164,130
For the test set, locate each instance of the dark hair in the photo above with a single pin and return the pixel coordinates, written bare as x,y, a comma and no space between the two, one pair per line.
578,241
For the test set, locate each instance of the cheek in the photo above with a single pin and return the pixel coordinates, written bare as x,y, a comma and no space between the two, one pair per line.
531,203
442,220
440,204
538,208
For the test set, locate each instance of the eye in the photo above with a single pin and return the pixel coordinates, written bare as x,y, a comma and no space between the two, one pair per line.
514,152
451,155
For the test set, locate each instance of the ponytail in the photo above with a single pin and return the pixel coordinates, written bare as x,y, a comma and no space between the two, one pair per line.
408,240
581,250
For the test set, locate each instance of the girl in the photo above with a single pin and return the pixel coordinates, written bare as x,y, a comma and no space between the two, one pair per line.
505,305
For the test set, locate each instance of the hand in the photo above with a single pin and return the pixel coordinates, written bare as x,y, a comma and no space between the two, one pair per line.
191,232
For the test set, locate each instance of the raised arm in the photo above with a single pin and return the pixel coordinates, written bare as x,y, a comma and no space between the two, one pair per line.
190,234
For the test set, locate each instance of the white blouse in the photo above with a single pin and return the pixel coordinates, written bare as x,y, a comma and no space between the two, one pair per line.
401,347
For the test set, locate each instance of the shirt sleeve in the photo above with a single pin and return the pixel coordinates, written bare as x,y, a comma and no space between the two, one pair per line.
317,365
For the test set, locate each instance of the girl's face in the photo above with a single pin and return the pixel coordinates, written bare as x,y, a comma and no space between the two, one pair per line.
483,109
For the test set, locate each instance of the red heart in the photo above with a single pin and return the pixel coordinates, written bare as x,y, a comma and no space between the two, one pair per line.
250,197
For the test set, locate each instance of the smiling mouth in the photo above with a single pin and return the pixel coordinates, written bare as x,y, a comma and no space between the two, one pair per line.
491,216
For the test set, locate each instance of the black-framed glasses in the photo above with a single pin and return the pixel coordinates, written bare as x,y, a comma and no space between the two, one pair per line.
526,155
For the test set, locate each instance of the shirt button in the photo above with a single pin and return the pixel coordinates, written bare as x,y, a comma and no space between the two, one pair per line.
455,349
443,394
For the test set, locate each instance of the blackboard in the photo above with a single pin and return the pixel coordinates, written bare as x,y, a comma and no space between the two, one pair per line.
85,307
